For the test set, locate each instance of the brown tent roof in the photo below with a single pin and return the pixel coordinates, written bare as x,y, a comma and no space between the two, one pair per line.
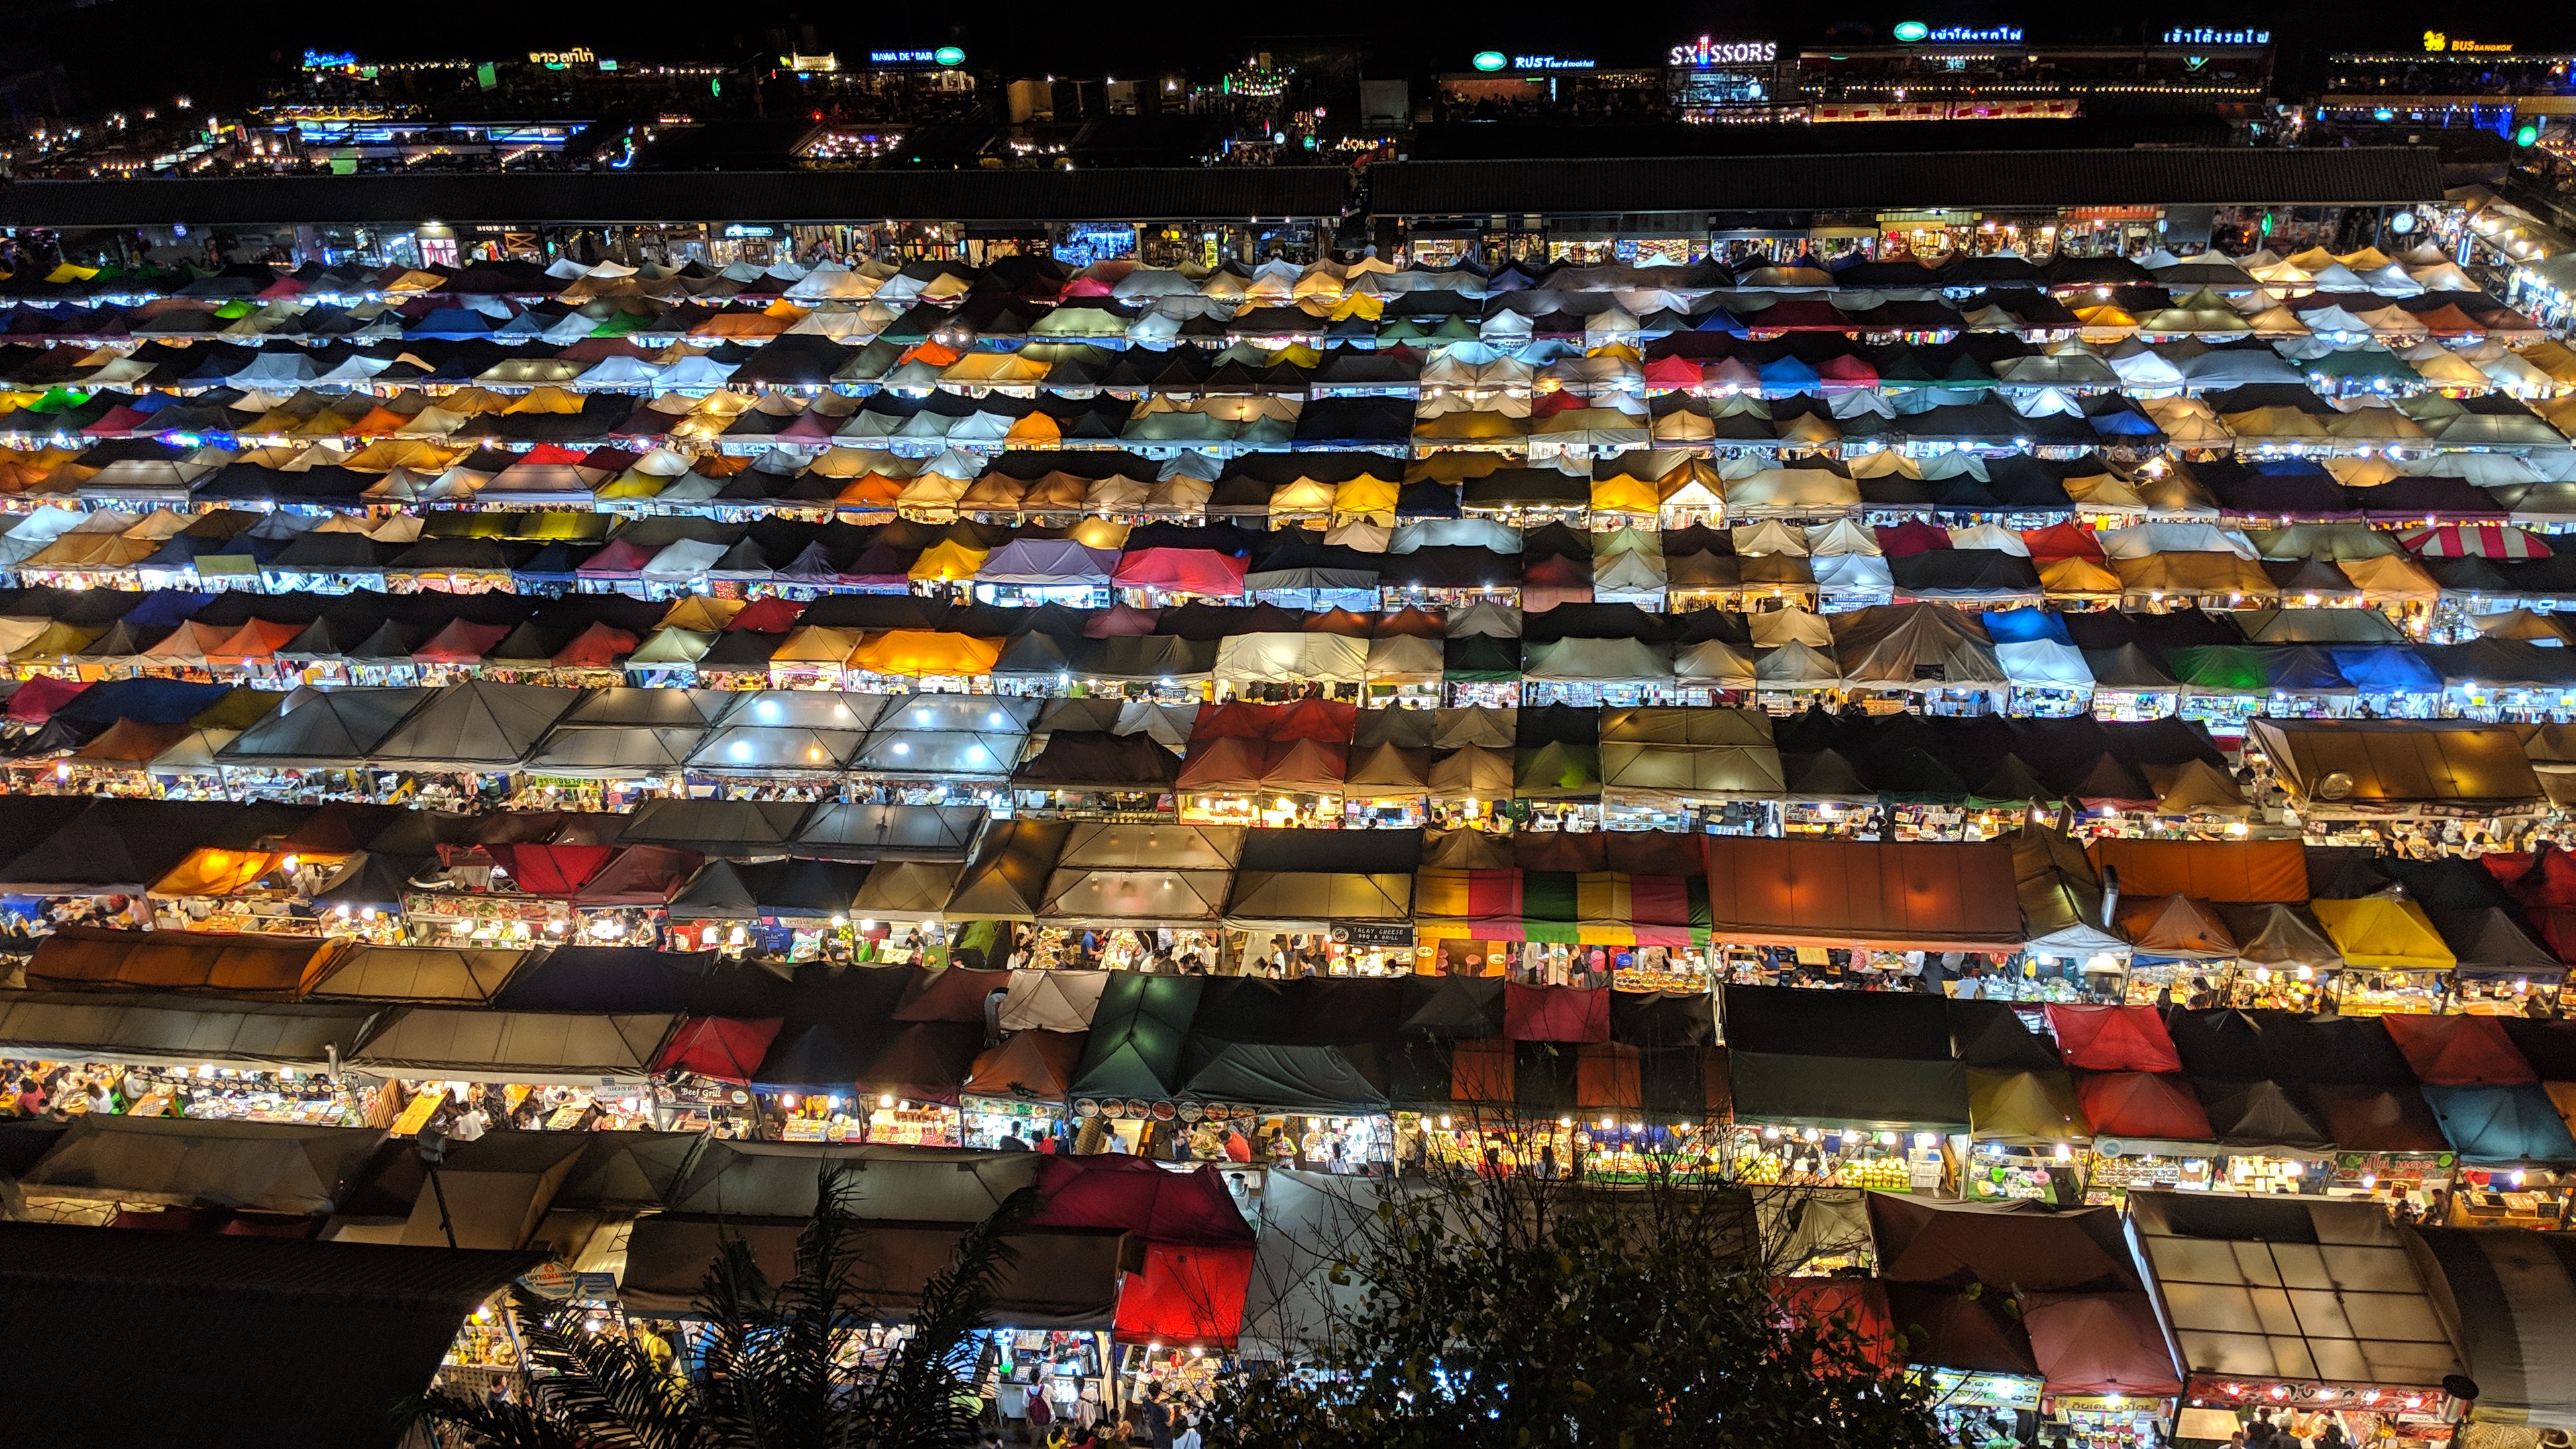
250,966
1851,892
2254,870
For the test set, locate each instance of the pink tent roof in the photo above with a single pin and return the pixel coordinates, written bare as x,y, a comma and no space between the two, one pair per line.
1182,571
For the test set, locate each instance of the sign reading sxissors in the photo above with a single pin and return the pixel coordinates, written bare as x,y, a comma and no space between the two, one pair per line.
1704,52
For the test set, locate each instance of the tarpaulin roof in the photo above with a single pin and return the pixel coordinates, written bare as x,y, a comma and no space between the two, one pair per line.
2297,1288
175,1030
1031,1065
2511,1294
1882,1026
2384,931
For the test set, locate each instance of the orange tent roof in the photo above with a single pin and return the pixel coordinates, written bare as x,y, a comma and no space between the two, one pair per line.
2254,870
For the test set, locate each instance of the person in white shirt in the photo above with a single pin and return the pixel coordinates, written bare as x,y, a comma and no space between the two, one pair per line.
1188,1438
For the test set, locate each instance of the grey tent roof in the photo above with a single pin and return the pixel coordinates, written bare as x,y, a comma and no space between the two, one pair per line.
161,1030
776,1179
323,726
275,1167
579,1048
617,751
417,973
476,723
851,830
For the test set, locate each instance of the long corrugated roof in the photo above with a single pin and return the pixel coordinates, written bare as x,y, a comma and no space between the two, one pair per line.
1105,194
2159,176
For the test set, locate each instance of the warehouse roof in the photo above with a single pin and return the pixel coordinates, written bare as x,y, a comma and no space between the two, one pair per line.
1959,179
642,196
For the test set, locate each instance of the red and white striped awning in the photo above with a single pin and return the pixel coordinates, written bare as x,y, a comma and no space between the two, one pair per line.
2474,540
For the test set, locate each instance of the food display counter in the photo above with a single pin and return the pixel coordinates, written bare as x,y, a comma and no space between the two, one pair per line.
1878,1160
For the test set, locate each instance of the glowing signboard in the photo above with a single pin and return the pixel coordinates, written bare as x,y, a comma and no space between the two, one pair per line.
2208,35
1704,51
1490,60
1911,31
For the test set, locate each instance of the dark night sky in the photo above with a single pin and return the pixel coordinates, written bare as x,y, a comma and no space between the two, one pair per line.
136,51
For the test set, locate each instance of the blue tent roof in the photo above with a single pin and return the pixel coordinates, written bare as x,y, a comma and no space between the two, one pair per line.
1786,371
2501,1125
2304,668
451,323
2387,669
144,701
2023,626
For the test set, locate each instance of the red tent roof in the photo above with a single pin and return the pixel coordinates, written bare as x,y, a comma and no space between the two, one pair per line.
2099,1343
552,455
642,875
1140,1197
2113,1038
1186,1296
952,993
2062,540
551,870
2153,1106
770,615
1862,1303
1307,719
36,700
722,1048
461,642
2551,881
1667,373
1556,1013
597,647
622,556
2459,1051
1182,571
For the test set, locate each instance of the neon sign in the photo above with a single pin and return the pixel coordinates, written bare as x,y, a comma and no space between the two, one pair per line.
1490,60
558,59
1703,51
1912,31
1549,62
2204,35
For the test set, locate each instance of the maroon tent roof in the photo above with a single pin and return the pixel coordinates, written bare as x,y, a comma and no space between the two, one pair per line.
1136,1196
954,993
1556,1013
2018,1245
1958,1332
2099,1343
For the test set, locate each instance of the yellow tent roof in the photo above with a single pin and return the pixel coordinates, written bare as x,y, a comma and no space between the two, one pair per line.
2077,576
2389,576
2384,931
947,559
546,400
1624,495
1365,494
912,652
211,872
